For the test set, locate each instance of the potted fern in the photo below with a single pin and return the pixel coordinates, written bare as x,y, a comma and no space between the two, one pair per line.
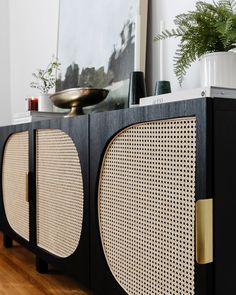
208,33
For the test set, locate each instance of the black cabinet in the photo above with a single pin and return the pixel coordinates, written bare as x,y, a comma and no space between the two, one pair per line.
134,201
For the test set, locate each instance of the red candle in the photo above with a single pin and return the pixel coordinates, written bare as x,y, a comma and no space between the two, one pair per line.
32,104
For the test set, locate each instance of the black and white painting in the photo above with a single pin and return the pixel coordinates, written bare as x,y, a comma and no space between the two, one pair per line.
99,45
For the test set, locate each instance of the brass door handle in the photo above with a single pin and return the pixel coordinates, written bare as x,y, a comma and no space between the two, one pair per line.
27,188
204,231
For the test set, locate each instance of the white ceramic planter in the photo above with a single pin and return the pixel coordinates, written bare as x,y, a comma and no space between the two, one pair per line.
45,104
218,69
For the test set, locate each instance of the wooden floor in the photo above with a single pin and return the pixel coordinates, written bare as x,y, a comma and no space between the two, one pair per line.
19,277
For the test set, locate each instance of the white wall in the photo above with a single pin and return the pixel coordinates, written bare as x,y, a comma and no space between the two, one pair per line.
33,41
5,103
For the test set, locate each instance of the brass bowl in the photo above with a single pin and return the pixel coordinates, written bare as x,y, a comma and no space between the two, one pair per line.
77,98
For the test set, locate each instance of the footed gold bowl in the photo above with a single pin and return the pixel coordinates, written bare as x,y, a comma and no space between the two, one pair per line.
77,98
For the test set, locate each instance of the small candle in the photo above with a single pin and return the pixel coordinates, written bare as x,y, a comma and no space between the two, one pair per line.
32,104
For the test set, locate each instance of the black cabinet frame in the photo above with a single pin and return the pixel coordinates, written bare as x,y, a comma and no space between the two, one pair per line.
215,166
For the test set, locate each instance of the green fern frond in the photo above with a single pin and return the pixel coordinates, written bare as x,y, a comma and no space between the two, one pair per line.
168,34
210,28
228,4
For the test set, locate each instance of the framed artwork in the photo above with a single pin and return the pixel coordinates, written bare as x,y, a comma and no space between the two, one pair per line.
99,43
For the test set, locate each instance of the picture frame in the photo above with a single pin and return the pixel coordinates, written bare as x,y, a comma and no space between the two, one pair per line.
100,42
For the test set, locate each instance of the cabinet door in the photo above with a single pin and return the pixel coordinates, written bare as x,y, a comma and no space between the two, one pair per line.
145,181
59,193
15,169
61,229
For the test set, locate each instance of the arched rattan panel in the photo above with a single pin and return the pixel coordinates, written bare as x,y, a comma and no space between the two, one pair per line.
59,193
14,181
146,207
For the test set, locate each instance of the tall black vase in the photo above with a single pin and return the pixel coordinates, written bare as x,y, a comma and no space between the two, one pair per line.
137,88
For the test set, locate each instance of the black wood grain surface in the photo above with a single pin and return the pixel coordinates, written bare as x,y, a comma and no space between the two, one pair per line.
224,196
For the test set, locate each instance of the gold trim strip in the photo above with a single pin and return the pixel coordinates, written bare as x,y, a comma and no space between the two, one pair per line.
204,231
27,188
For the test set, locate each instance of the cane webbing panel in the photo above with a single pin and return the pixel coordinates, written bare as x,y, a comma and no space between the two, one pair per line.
59,193
14,172
147,207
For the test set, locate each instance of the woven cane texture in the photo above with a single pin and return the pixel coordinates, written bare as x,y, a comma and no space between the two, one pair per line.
14,172
147,207
59,193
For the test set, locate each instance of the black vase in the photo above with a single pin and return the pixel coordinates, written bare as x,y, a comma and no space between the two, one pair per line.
137,88
162,87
